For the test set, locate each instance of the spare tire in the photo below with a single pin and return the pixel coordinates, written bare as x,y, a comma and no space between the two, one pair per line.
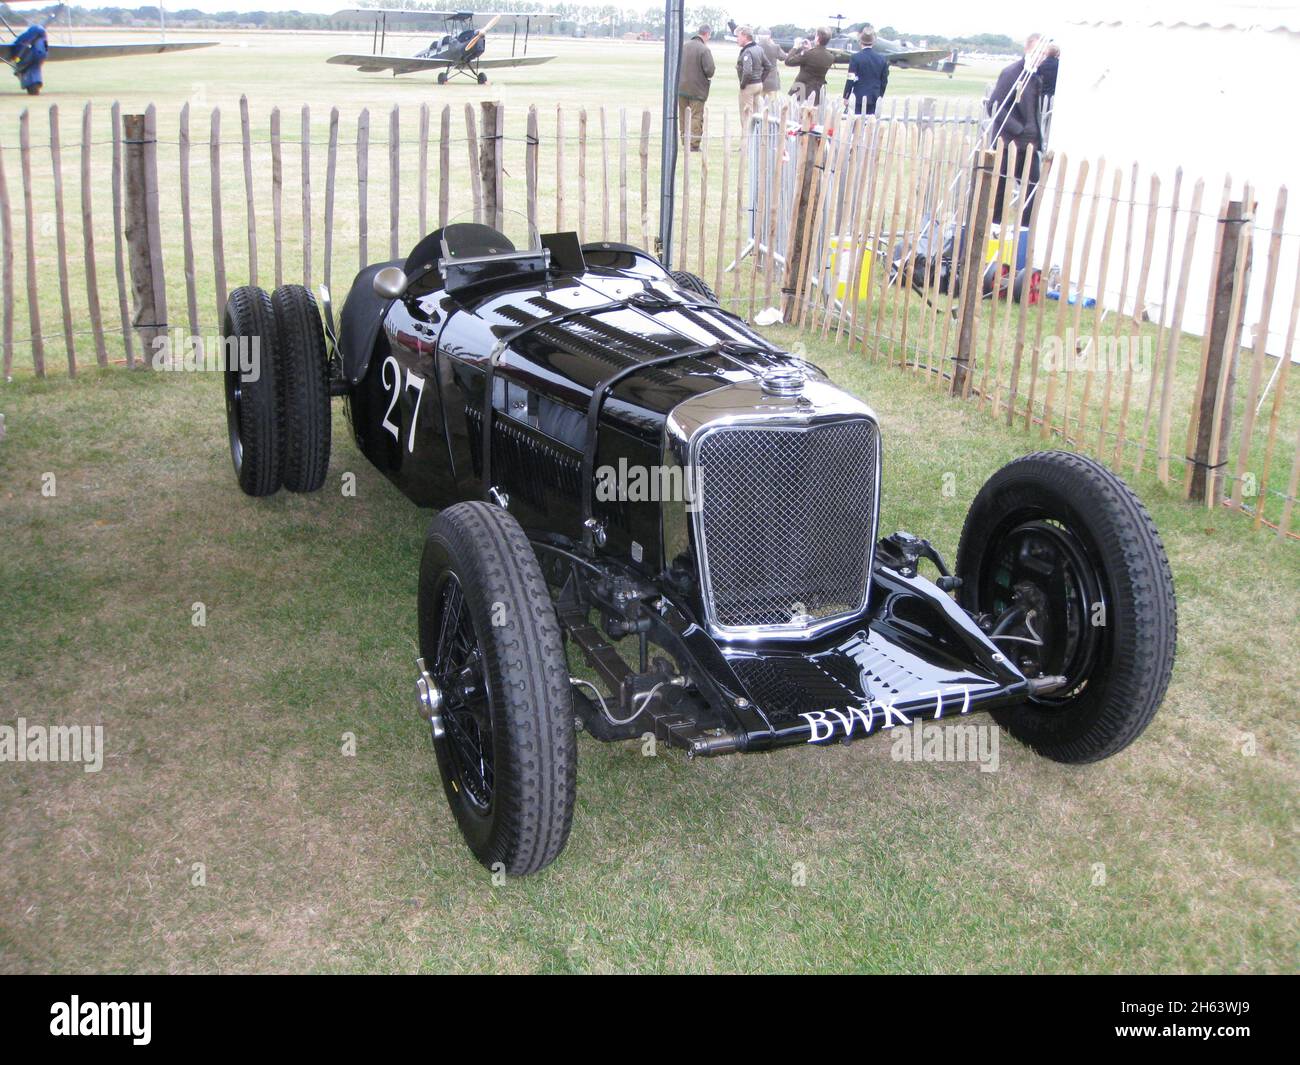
693,283
254,400
304,373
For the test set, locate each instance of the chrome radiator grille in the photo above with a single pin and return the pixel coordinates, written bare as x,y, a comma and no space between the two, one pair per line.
786,523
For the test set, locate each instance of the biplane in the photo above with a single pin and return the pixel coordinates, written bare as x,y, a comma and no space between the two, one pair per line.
459,51
29,51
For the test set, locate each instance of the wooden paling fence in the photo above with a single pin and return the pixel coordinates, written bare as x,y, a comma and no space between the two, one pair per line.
856,228
177,210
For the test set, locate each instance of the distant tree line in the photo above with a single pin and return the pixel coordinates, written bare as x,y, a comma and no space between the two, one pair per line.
592,20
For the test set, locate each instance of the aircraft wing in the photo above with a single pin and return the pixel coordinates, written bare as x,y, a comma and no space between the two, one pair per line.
394,16
514,61
396,63
405,16
919,57
64,52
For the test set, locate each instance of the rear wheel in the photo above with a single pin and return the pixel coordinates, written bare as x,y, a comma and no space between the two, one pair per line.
305,380
693,283
254,397
1064,567
482,79
495,683
442,77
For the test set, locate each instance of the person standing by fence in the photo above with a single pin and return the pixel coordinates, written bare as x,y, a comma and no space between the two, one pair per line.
813,61
693,85
1014,107
868,75
752,70
775,53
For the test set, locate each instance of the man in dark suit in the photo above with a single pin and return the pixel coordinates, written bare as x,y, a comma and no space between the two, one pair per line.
868,75
1014,108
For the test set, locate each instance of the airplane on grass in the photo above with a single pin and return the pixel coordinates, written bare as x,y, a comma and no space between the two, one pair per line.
29,51
842,46
459,50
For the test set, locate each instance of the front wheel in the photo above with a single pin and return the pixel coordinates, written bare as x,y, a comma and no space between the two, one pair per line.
494,682
1064,568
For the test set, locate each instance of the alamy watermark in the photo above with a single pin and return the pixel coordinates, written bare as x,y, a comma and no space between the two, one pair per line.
953,742
182,352
1109,354
632,483
53,743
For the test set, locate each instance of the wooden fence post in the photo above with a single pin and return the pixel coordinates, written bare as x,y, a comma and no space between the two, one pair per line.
249,206
218,226
1219,376
29,213
394,181
305,149
363,187
805,185
119,254
277,196
444,165
7,268
981,193
187,227
61,240
331,169
143,231
471,147
530,165
489,163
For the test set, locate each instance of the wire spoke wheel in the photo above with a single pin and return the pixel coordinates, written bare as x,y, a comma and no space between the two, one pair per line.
502,712
456,666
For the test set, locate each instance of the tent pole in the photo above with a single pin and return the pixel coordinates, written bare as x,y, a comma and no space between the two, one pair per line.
674,21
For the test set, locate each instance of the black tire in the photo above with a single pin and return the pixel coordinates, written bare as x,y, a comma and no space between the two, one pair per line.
442,77
482,79
1055,520
304,373
693,283
33,90
516,808
254,400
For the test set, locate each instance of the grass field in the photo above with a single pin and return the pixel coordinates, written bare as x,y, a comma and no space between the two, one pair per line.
224,747
290,69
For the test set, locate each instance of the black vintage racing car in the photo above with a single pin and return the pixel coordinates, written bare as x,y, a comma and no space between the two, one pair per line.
622,465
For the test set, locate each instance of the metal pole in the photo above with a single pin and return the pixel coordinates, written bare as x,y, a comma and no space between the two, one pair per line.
674,21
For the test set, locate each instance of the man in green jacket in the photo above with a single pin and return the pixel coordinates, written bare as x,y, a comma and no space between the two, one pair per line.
693,85
814,61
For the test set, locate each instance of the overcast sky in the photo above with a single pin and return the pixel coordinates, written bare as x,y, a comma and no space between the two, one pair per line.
1015,17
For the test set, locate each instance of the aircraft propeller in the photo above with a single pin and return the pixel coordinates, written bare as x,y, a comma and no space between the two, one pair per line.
473,41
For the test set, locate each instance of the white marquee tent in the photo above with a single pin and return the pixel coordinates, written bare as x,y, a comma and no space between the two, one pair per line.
1208,87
